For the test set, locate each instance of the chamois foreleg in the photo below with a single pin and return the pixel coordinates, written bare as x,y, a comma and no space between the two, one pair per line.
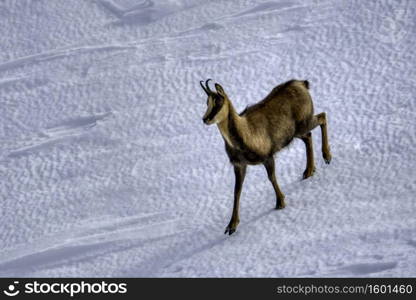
270,168
240,173
310,162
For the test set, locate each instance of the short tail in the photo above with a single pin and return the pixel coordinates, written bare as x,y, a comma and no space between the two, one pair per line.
306,84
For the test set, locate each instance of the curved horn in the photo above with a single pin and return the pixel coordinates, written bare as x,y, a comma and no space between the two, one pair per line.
207,86
203,87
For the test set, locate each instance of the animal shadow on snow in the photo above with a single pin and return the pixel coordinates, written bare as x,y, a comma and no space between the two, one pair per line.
187,248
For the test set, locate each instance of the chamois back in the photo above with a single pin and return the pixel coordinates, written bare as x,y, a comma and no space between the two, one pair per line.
279,92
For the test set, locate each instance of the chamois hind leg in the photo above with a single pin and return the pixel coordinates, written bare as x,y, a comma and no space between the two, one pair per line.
240,173
320,119
310,162
280,197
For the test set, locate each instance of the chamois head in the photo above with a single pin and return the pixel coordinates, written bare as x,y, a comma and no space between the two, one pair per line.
217,104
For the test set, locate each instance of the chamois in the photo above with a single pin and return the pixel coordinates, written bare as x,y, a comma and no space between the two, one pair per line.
256,134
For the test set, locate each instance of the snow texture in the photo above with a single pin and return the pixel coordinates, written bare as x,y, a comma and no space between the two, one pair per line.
108,170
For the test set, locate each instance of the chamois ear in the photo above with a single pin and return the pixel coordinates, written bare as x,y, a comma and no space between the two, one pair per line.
220,90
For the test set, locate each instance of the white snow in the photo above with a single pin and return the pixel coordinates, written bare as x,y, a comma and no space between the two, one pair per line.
107,169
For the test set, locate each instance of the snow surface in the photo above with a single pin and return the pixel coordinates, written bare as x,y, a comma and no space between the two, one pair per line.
107,169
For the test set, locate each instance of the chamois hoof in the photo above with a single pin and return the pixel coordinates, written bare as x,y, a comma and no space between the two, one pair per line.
229,230
327,158
280,205
308,173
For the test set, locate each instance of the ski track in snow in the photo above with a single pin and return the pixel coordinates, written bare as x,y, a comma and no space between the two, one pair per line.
108,170
91,240
64,131
56,54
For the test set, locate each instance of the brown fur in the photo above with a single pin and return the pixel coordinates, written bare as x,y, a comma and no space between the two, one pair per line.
261,130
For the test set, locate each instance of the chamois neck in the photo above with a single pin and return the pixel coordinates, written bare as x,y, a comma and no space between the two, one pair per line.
231,116
232,120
